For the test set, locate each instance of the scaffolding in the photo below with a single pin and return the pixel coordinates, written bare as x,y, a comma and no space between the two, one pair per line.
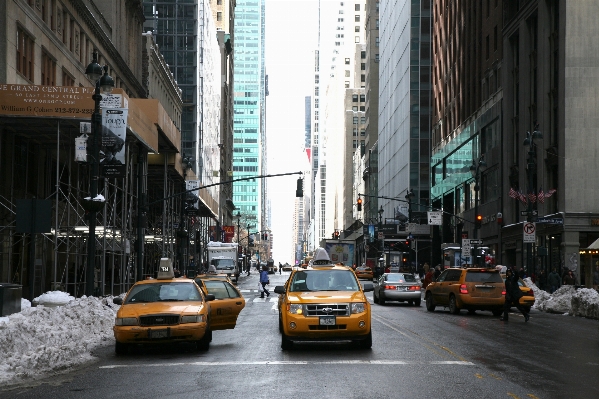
37,160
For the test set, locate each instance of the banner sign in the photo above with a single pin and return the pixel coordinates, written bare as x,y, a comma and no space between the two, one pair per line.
112,142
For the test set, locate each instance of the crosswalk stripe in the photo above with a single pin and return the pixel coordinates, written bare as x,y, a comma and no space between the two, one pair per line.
293,363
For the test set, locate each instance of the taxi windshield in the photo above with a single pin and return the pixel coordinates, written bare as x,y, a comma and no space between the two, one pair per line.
164,292
323,280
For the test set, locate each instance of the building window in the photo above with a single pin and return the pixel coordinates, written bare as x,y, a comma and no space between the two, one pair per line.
376,41
219,16
377,23
376,58
363,120
362,98
363,55
219,2
357,18
25,54
357,28
363,66
347,61
346,84
355,120
362,78
357,39
354,108
354,98
67,79
357,7
48,70
347,73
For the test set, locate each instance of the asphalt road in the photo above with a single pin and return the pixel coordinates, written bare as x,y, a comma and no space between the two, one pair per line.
415,354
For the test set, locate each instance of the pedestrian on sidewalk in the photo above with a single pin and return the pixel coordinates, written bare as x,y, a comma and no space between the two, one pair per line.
512,295
264,280
554,281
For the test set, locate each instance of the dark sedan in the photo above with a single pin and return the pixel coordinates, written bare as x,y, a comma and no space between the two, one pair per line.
400,287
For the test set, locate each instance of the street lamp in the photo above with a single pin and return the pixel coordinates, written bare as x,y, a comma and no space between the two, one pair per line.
103,81
530,169
182,234
475,170
381,241
238,216
409,195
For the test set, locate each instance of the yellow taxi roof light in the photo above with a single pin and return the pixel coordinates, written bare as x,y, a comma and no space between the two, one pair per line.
165,269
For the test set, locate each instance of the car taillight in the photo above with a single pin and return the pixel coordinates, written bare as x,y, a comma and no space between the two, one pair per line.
414,288
463,289
389,287
503,292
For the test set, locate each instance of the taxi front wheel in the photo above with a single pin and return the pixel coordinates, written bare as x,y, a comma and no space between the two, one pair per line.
121,348
204,343
286,343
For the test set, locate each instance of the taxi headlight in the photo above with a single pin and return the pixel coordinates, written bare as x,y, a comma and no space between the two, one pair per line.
359,307
125,321
296,309
192,319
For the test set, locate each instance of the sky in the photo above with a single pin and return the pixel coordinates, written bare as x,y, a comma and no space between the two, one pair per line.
291,38
61,332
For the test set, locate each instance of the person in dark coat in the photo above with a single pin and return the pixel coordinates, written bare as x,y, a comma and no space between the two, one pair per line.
553,281
512,295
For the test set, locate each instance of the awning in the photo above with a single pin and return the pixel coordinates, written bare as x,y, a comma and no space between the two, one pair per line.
594,245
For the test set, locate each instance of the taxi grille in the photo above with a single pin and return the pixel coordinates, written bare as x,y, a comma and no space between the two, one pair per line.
328,309
159,320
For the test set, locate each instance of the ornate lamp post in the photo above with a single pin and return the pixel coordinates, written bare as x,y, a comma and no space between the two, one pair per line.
104,82
475,170
409,195
530,169
182,234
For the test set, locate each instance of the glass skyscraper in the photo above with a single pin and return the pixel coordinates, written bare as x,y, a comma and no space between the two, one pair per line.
248,107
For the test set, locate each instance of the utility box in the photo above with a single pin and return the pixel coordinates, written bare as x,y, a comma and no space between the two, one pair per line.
10,298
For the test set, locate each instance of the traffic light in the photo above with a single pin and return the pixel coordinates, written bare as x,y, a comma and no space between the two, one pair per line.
479,221
265,236
359,204
299,191
336,235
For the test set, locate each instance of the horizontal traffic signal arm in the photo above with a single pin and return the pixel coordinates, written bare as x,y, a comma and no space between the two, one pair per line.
222,182
430,208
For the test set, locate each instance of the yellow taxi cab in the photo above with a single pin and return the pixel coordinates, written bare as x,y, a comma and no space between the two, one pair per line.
201,277
527,300
163,310
364,272
324,302
467,288
228,301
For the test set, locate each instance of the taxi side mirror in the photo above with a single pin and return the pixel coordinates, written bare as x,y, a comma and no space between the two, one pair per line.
210,297
117,300
279,289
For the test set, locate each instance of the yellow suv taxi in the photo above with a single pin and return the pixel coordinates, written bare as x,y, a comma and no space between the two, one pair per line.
471,288
324,302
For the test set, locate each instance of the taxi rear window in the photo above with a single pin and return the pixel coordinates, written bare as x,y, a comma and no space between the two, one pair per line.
474,276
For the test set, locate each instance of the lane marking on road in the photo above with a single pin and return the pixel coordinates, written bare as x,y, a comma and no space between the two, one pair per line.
292,363
432,346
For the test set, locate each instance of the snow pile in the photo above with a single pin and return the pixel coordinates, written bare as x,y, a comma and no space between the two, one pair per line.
42,339
585,303
55,298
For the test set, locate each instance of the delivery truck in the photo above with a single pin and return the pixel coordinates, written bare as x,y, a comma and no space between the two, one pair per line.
223,256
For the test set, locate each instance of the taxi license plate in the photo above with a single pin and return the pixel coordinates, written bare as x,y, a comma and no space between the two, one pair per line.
327,321
400,288
156,334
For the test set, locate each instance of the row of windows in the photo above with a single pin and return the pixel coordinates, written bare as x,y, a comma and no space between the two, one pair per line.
245,169
64,25
249,160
